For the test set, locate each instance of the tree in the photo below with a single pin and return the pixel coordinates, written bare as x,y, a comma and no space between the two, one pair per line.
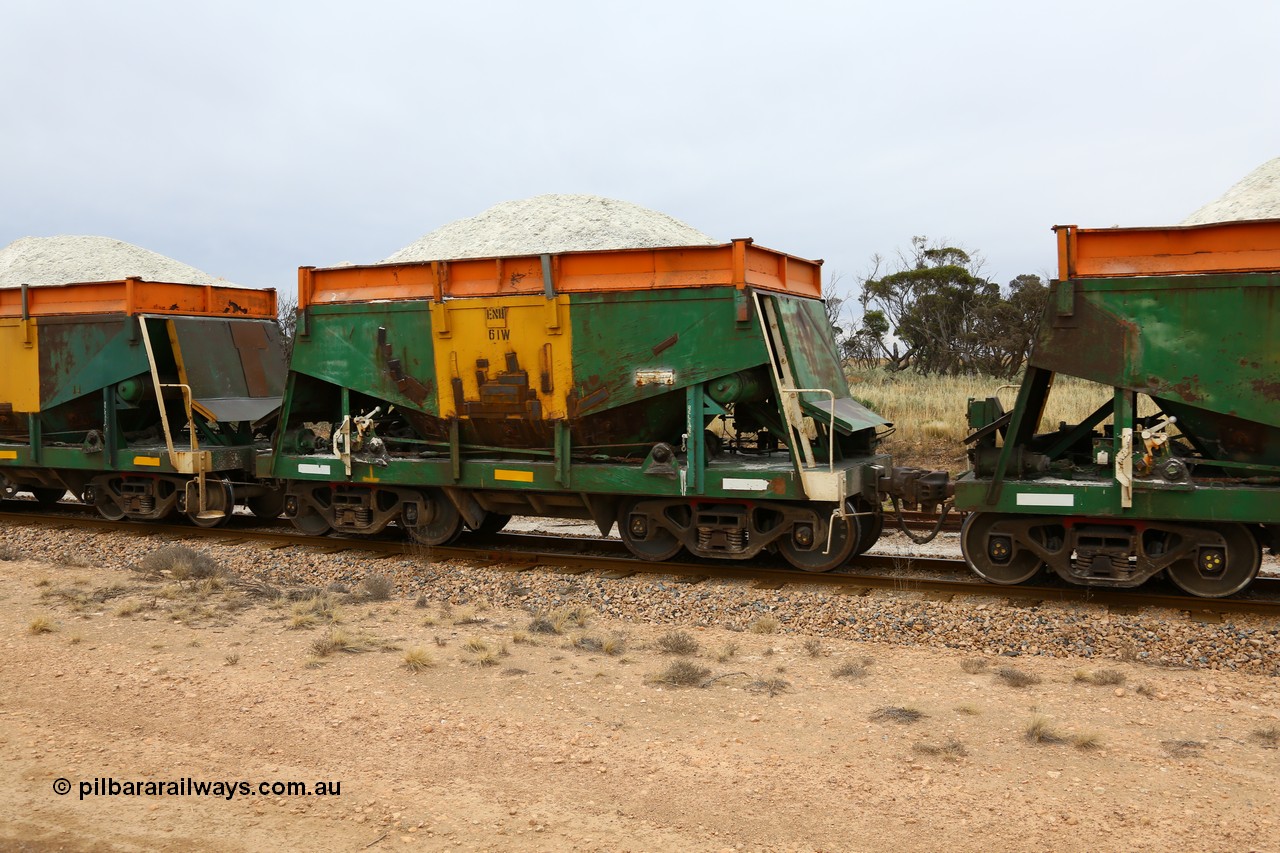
287,318
947,316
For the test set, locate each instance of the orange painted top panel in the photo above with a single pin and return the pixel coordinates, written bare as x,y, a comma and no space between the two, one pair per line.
738,264
134,296
1250,246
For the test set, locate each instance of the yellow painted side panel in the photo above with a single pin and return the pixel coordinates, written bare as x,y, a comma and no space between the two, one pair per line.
513,476
20,370
488,336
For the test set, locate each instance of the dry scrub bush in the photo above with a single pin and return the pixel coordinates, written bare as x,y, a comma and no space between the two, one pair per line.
9,554
1016,677
849,669
813,647
968,710
677,643
973,666
421,601
682,673
1183,748
1268,737
231,659
726,652
181,563
1101,678
951,749
378,587
897,714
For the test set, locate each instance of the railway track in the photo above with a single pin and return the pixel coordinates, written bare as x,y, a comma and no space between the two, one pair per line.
525,552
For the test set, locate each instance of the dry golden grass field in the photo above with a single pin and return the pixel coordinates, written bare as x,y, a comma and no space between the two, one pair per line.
929,412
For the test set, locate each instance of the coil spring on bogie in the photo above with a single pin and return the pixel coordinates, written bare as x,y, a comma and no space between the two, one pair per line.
363,516
735,538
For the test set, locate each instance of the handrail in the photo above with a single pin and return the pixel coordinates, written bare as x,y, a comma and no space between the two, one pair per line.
831,430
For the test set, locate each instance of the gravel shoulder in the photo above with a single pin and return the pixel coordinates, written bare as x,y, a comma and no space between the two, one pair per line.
794,736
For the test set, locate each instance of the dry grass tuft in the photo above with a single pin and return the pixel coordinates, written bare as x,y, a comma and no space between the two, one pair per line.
560,621
1039,730
764,625
1268,737
231,659
968,710
417,659
726,652
338,640
677,643
951,749
522,638
421,602
1183,748
973,666
487,659
132,606
611,645
310,612
813,647
1101,678
682,673
896,714
41,625
1016,677
1087,741
476,645
1145,689
772,686
378,587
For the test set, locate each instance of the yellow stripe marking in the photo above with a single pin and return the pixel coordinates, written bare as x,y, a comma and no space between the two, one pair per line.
513,476
8,454
152,461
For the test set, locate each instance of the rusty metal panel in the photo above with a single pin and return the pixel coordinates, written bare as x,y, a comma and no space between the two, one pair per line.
241,387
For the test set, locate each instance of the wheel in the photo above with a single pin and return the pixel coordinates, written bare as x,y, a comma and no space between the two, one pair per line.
646,540
47,497
493,522
869,527
309,522
109,510
805,548
218,505
266,505
1219,570
993,555
438,521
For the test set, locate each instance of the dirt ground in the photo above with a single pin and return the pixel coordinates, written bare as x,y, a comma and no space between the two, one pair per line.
511,738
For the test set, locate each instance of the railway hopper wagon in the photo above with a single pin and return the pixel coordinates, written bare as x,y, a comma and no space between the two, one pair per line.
139,397
1177,471
692,395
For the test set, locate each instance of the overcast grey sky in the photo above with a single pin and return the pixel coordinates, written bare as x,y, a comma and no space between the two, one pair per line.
248,138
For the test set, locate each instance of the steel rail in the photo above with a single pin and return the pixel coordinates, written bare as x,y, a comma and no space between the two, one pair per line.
523,552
